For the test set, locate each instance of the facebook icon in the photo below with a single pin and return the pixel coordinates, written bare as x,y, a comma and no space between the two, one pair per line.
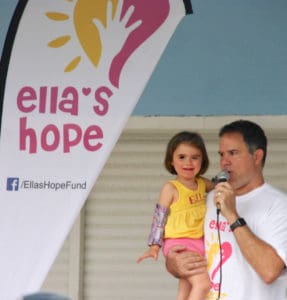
12,184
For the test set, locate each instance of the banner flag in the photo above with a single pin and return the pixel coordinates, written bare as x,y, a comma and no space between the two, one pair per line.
72,72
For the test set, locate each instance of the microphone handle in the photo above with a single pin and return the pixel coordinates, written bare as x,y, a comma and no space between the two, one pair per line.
217,208
218,204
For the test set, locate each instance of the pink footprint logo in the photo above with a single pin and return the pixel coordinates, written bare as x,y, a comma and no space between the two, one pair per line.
93,23
153,14
226,253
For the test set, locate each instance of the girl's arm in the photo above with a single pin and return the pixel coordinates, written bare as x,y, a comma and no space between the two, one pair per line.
159,220
167,195
209,184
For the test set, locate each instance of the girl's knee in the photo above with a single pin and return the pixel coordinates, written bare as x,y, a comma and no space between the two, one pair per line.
203,284
206,285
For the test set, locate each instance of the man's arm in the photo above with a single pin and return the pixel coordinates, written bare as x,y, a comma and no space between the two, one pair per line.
182,264
260,255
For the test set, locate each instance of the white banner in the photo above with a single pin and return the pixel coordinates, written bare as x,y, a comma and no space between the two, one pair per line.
71,74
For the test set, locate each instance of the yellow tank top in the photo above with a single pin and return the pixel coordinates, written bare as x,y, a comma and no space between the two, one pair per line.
186,215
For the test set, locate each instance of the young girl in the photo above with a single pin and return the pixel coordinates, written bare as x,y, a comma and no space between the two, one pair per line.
179,214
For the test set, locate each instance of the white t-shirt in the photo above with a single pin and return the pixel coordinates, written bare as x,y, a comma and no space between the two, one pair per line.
265,212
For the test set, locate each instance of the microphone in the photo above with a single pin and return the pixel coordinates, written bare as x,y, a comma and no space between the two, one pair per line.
222,176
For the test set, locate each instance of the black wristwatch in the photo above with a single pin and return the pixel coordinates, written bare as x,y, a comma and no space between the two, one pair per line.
238,223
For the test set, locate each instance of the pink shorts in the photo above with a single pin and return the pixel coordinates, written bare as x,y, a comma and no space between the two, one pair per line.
196,245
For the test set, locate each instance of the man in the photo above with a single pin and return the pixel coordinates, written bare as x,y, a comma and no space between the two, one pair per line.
246,240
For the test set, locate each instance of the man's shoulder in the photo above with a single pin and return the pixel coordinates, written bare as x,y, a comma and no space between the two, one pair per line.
275,191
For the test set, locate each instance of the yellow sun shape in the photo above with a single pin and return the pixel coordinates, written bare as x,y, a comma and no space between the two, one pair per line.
88,35
213,251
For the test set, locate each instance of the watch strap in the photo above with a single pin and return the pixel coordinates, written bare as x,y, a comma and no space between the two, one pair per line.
238,223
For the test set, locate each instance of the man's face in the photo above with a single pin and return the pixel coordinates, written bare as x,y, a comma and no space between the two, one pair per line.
244,168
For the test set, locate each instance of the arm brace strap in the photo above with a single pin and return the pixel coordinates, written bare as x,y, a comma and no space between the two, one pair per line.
157,227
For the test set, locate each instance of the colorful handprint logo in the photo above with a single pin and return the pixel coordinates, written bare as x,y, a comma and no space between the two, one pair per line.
110,31
216,258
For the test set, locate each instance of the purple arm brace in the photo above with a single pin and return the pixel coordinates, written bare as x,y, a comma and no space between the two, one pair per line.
157,227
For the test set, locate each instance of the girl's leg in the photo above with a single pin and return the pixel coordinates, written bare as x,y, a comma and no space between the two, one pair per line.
184,289
200,286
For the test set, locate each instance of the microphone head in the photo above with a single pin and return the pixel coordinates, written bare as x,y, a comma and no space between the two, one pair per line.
222,176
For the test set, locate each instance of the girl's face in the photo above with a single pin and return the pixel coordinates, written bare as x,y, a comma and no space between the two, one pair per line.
187,161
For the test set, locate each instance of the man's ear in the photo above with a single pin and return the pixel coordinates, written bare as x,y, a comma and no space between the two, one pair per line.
258,154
